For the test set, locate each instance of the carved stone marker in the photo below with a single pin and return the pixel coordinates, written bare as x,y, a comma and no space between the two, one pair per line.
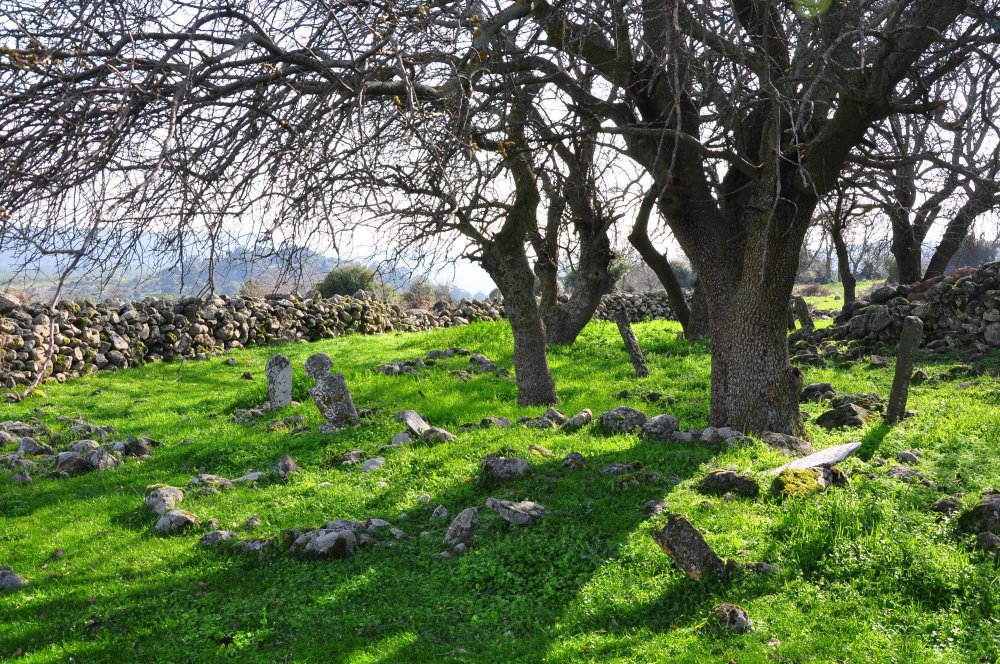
906,354
330,394
801,311
279,381
632,346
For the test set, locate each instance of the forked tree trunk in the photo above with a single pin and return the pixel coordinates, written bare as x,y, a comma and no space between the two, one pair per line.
565,321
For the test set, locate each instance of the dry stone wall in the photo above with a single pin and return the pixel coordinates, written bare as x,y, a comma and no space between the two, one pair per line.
959,310
114,334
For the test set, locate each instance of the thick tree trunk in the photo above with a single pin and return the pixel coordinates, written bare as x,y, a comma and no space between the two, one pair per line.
657,262
754,388
697,327
905,248
513,277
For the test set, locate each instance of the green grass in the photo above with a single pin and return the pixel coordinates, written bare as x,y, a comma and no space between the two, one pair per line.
869,573
835,300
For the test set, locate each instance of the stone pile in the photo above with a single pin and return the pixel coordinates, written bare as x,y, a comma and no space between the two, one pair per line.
635,307
34,455
960,310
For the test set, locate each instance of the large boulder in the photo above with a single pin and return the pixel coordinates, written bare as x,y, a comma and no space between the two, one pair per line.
622,420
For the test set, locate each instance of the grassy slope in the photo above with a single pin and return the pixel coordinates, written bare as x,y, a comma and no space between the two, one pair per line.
835,300
869,573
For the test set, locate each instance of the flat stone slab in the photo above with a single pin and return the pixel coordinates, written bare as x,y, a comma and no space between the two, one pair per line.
827,457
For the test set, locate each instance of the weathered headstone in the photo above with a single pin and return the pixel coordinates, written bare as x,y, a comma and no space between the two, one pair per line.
801,311
330,394
279,381
632,346
826,458
906,353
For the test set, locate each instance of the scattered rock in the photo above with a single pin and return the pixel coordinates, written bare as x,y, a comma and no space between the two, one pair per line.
497,468
23,477
216,537
947,505
725,481
540,450
908,456
416,424
783,442
102,460
800,482
622,420
285,467
849,415
176,522
622,468
402,438
983,517
352,457
655,507
986,542
685,545
574,460
578,421
252,476
372,464
731,618
252,522
11,580
28,447
660,428
817,392
436,435
325,543
72,464
827,457
904,474
162,499
463,529
440,513
521,513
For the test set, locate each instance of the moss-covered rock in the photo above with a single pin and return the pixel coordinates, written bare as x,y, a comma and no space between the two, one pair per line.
797,482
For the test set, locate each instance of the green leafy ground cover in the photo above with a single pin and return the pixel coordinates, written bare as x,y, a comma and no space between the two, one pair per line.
869,572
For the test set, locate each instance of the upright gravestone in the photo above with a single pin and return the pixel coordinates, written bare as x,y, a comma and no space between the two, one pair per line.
801,311
330,394
279,381
906,353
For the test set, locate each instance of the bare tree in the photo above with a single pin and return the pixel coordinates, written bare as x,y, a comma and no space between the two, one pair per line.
743,114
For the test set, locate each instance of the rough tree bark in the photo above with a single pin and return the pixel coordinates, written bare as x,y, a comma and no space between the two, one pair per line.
632,346
982,200
847,277
657,262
